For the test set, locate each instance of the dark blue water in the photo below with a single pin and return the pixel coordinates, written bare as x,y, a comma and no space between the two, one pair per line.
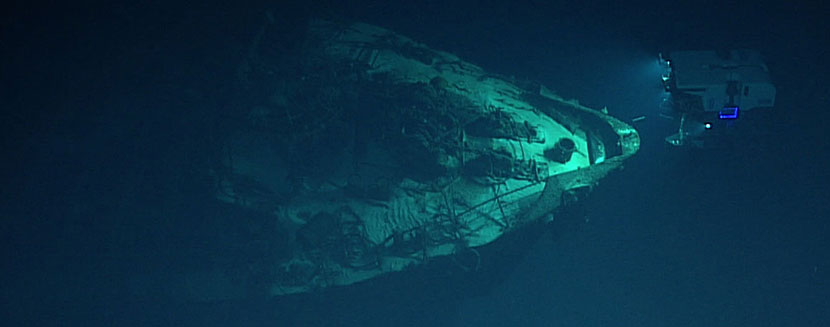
107,111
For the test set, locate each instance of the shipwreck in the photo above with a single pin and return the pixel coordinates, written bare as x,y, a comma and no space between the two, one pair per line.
374,153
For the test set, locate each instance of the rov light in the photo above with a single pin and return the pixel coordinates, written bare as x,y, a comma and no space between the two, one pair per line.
707,125
728,112
663,60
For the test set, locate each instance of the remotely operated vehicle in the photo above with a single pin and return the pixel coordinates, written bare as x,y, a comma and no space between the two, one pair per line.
716,97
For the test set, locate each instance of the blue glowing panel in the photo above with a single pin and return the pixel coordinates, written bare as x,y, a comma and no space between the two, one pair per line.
728,113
